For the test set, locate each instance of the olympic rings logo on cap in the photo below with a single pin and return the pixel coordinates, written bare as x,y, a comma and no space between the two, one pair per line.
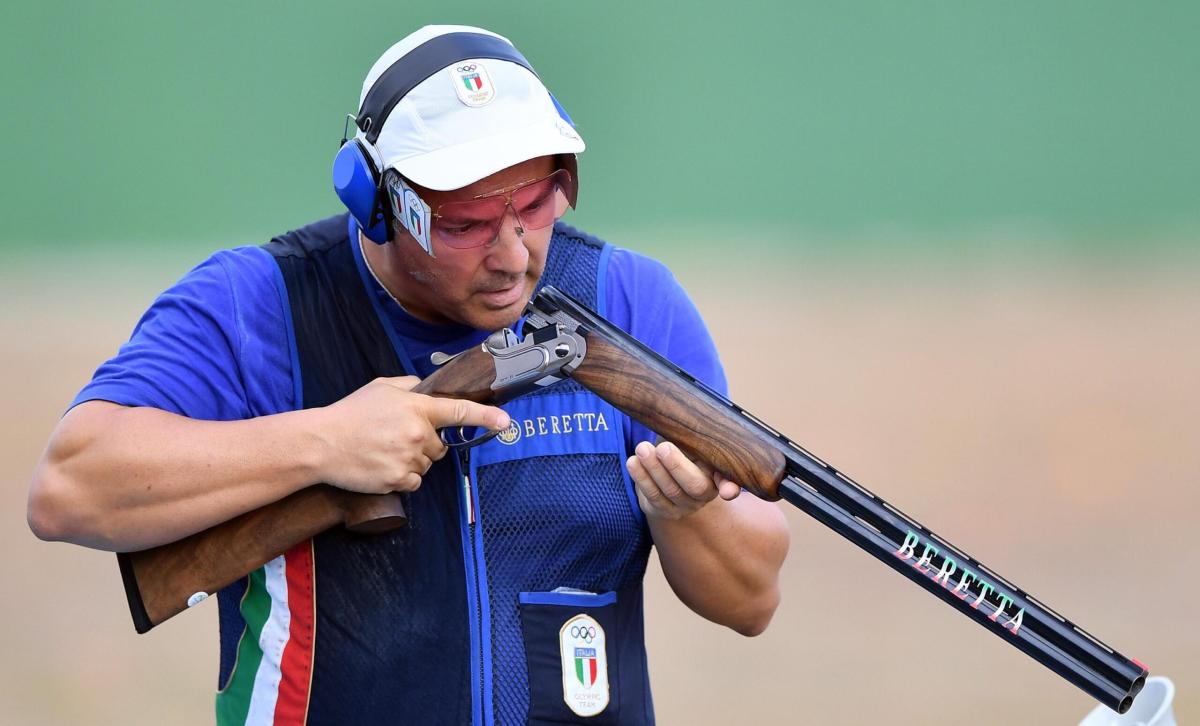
470,67
586,632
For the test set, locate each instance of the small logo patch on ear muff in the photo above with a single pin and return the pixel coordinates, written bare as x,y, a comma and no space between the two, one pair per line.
473,83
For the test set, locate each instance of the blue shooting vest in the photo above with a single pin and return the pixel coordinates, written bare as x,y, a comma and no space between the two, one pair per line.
452,622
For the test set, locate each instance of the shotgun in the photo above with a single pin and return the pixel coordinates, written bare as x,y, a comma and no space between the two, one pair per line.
563,338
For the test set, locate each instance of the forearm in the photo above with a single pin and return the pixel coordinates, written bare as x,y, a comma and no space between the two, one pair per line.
723,560
124,479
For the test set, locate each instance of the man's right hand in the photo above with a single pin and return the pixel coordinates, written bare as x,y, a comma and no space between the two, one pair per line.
383,437
127,478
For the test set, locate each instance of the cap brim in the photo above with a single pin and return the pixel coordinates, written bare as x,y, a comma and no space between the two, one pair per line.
455,167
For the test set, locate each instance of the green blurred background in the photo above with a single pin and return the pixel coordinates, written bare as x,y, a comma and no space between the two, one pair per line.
209,124
953,248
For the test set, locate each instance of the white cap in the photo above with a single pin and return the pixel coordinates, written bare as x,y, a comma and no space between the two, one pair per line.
468,120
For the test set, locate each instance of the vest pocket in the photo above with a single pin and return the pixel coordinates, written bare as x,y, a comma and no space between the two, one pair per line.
573,655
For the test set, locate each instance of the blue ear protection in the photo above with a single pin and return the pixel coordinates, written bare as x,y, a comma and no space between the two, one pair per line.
357,180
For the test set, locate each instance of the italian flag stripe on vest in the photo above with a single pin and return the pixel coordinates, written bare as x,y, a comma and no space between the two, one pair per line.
271,679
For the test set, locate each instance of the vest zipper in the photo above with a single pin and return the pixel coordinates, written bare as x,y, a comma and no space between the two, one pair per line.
464,465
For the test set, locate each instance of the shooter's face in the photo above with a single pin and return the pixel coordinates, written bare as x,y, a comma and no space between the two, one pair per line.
485,287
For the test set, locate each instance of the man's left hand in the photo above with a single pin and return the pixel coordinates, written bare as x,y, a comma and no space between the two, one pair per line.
670,485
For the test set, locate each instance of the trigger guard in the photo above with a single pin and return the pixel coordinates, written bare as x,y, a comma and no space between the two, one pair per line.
462,441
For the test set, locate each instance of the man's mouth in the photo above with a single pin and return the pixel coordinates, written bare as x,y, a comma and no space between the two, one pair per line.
502,297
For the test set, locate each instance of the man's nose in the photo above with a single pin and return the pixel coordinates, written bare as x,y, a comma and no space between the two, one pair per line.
508,253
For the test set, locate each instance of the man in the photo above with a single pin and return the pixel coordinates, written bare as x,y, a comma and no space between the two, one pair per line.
514,595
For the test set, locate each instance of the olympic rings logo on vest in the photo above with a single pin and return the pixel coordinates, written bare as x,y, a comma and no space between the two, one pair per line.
584,660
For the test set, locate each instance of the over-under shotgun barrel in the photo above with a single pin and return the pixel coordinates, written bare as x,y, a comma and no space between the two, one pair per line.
679,408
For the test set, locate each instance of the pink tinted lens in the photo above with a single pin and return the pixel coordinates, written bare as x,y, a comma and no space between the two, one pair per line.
542,202
475,222
471,223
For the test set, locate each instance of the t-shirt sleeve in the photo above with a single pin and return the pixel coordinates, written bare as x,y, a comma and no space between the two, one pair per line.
214,346
645,299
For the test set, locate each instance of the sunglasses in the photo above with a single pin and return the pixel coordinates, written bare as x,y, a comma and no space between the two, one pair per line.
476,222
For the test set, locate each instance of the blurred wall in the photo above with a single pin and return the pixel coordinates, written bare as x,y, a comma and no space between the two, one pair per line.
148,123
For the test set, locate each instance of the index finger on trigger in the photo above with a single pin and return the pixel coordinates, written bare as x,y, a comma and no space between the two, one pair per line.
461,412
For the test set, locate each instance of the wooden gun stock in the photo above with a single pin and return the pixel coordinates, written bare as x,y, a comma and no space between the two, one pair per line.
650,392
161,582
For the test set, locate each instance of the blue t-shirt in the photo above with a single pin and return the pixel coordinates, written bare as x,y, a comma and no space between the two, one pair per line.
215,346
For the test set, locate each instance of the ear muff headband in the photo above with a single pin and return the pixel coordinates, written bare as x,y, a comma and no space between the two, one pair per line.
422,62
